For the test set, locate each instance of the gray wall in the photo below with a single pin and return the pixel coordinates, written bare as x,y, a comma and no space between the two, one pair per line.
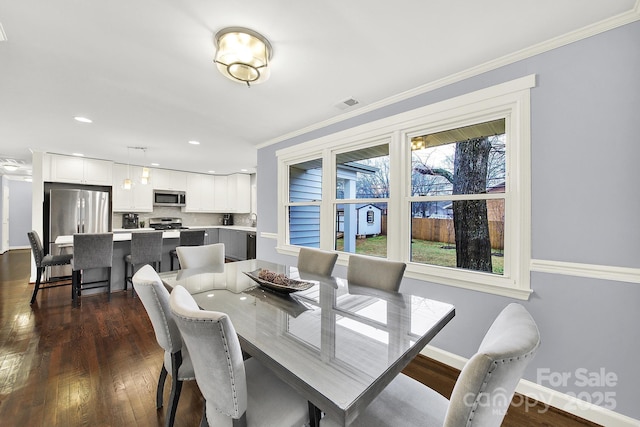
19,213
585,205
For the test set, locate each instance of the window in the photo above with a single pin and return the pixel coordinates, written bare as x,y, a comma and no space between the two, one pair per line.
444,188
362,191
458,190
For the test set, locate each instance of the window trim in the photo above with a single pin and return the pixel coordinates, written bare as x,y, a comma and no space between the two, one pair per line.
510,100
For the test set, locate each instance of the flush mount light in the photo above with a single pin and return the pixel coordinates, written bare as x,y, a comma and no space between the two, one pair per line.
83,119
243,55
77,154
194,142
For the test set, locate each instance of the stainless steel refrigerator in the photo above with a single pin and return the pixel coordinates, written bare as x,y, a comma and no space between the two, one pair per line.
76,211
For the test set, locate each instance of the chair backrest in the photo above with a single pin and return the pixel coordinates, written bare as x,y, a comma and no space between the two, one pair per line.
146,247
315,261
191,238
215,353
36,247
485,387
201,256
92,250
155,298
375,273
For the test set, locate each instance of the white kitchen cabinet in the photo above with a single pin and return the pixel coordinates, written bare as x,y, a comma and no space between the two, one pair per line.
200,193
79,170
232,193
165,179
139,198
221,191
239,193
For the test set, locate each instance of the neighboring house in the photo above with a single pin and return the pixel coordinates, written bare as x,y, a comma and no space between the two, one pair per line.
305,185
369,220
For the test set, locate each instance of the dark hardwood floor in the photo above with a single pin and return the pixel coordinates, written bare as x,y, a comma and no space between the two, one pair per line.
98,364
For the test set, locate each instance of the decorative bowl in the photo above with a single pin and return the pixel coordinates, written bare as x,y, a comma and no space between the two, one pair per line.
281,284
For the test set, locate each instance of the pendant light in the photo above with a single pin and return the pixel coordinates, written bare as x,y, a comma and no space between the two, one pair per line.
126,185
146,173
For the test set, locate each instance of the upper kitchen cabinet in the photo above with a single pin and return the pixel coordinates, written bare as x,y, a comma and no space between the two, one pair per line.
137,199
239,193
78,170
200,193
221,193
165,179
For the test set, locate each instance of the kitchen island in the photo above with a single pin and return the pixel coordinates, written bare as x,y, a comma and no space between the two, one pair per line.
234,238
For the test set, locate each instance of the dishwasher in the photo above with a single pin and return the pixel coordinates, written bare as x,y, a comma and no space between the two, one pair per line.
251,245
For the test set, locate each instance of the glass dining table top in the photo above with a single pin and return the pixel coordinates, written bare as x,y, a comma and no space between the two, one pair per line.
337,344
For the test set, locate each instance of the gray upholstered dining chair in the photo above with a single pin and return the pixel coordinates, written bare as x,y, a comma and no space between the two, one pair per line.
482,393
91,251
316,261
155,298
187,238
146,248
45,261
201,256
236,392
375,272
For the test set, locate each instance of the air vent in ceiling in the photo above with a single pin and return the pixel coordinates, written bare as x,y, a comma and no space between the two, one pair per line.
3,36
347,103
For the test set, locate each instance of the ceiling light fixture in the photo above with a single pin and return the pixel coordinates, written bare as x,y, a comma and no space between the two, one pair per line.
83,119
194,142
243,55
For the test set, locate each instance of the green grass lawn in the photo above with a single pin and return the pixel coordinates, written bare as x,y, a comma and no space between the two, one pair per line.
423,251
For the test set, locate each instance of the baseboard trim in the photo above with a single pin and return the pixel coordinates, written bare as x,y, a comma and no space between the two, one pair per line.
546,396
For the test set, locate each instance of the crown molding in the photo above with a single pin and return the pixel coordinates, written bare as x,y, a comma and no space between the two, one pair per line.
616,21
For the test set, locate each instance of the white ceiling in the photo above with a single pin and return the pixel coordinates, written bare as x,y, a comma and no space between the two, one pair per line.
143,70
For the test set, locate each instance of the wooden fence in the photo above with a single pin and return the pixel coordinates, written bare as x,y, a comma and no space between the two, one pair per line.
441,230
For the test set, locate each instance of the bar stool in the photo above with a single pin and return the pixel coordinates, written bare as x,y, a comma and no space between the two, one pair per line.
187,238
146,248
42,262
91,250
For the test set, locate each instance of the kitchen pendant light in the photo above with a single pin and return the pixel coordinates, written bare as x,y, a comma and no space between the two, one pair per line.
146,173
243,55
126,184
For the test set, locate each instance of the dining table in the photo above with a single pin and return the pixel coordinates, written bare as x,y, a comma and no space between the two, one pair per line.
337,344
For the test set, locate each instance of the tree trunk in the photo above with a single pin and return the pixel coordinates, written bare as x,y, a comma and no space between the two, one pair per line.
471,224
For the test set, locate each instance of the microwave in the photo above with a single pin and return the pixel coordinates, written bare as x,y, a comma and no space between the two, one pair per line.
169,198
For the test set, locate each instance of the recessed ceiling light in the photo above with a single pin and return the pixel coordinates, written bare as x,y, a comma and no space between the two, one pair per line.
29,179
243,170
77,154
83,119
155,164
194,142
212,171
10,168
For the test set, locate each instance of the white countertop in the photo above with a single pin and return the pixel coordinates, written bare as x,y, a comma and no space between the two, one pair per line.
123,235
193,227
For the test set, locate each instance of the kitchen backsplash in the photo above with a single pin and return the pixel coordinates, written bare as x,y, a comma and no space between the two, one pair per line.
188,219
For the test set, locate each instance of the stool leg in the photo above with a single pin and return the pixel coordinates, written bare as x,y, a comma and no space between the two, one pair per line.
133,290
109,283
37,285
126,269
